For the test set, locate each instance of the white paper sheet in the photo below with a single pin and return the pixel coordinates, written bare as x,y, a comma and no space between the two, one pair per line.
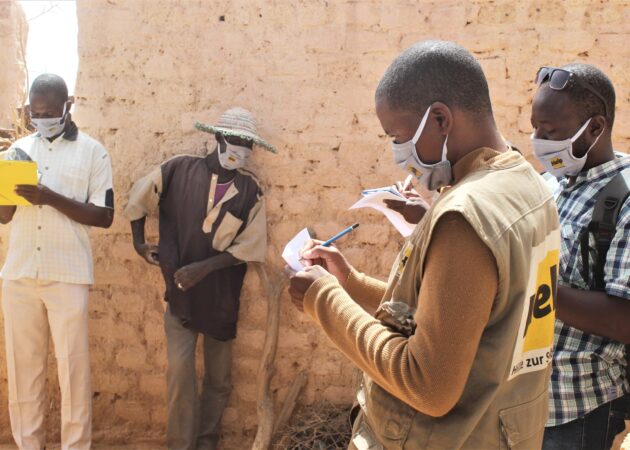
390,189
291,253
376,201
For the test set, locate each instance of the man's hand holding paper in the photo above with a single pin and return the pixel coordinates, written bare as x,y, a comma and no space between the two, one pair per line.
14,174
35,195
378,199
413,207
301,281
319,261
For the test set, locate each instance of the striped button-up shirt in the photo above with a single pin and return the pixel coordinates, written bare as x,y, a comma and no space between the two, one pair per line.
45,244
588,370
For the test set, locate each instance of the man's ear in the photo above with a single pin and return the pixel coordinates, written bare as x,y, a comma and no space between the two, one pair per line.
443,115
597,126
69,103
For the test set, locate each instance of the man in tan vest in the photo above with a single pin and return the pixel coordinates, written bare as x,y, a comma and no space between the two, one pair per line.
456,346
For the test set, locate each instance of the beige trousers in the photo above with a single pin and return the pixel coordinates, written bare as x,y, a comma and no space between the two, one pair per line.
33,310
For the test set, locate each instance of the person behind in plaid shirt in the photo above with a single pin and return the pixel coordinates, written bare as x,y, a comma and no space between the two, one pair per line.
572,115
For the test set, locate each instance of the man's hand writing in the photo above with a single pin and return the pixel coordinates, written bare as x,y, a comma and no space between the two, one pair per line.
330,258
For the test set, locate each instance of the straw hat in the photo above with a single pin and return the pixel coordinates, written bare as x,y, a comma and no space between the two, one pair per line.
237,122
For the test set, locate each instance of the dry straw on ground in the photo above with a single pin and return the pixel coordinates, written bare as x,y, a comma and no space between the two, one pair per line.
319,427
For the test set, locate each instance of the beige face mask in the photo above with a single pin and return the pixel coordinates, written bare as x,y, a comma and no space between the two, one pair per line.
232,157
50,127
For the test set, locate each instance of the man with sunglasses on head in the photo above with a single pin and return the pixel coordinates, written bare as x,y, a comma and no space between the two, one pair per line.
212,221
573,114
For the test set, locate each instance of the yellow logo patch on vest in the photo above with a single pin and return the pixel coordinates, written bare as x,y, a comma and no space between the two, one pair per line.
557,163
533,350
404,257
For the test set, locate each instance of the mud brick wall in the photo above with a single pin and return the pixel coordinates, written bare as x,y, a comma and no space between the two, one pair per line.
13,31
307,69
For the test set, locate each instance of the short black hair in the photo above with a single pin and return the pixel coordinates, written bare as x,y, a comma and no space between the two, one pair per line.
433,71
49,84
589,104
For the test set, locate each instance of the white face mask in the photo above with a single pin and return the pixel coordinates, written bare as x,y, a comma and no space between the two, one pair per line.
50,127
557,156
431,176
232,157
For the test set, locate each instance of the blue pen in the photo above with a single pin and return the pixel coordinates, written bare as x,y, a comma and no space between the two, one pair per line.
338,235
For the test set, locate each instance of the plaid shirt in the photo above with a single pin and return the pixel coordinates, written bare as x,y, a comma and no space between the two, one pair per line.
588,370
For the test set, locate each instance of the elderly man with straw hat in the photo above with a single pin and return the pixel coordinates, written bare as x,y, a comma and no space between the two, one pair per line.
212,221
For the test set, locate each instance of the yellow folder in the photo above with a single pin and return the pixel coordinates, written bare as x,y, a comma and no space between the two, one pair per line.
13,173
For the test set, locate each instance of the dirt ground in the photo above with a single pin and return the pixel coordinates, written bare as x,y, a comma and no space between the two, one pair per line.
100,447
155,446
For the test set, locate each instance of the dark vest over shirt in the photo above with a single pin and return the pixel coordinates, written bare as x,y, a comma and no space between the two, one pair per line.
210,307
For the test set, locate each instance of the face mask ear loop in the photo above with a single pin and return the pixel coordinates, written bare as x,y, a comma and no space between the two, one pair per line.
63,114
580,131
421,127
594,143
444,149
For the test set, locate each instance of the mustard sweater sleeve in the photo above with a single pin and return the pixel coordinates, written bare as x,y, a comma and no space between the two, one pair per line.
428,370
366,291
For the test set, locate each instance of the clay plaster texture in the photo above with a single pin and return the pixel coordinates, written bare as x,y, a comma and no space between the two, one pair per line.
307,69
13,31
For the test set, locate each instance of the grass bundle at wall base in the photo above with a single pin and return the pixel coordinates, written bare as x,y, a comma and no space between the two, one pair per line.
318,427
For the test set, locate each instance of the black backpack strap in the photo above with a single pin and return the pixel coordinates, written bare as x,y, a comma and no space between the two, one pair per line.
584,250
603,225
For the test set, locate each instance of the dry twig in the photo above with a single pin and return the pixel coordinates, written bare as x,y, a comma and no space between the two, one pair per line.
290,401
321,427
264,402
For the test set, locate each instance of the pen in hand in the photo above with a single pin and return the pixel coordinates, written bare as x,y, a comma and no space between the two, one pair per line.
335,237
402,187
340,234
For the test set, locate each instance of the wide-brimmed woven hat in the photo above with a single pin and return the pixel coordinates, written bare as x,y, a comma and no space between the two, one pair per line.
237,122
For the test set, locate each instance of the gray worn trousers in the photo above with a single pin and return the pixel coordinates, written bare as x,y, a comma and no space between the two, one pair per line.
193,421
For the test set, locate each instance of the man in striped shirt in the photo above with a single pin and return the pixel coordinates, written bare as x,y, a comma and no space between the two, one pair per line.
48,268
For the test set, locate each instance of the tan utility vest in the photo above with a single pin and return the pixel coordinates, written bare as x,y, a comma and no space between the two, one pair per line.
504,403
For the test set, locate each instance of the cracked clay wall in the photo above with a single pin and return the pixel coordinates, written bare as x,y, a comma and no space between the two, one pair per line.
13,31
307,69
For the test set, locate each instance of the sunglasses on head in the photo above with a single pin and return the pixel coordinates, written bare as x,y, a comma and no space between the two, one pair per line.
558,79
